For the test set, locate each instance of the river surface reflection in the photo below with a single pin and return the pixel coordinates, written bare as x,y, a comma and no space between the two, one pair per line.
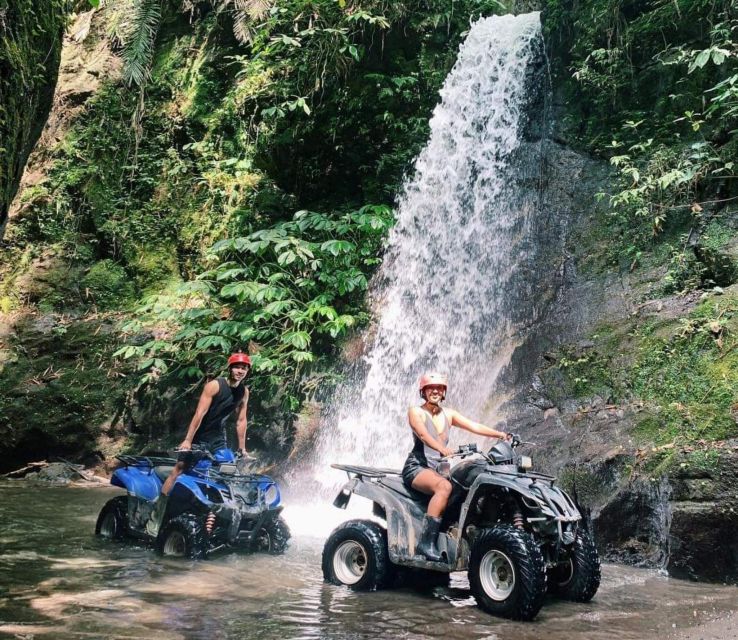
58,581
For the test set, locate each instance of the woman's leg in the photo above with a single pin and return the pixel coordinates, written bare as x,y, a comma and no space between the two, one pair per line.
428,481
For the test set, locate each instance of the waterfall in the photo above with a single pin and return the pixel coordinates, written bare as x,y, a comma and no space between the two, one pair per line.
459,276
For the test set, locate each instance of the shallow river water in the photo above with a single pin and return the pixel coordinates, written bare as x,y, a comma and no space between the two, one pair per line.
58,581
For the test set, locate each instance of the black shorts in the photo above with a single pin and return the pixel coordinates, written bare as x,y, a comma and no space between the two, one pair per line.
413,466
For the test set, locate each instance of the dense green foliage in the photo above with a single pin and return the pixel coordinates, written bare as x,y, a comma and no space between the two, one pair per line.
233,187
654,87
288,291
245,204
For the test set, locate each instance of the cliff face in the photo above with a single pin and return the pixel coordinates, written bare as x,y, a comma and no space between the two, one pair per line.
30,51
628,385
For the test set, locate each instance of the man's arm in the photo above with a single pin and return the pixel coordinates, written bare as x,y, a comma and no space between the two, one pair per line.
241,422
475,427
206,399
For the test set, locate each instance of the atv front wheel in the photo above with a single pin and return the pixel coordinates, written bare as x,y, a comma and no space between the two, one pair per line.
182,537
507,573
579,577
112,523
273,537
356,555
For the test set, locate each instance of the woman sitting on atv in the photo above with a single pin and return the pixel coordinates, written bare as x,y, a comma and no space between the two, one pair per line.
431,425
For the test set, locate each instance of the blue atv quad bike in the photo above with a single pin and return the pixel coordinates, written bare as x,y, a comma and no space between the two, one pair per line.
211,507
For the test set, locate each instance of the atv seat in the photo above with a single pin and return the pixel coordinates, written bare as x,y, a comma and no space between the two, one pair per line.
162,471
398,486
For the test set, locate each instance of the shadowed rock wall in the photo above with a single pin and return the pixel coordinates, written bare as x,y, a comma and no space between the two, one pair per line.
30,51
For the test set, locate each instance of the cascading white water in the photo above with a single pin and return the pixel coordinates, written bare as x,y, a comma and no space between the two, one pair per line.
457,269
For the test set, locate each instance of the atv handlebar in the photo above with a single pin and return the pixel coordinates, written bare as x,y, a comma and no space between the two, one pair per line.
515,441
465,450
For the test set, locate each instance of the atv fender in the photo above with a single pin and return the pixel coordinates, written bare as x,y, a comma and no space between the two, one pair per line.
404,518
553,502
188,485
140,482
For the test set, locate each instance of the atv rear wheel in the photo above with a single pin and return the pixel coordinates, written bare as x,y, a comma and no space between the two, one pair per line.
273,537
579,577
112,523
507,573
182,537
356,555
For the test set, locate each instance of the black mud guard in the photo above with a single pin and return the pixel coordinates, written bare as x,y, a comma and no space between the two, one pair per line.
344,496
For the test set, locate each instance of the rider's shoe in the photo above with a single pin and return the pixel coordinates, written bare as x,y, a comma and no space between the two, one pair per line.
153,524
427,545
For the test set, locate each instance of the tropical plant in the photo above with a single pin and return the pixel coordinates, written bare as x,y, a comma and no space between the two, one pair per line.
285,293
658,92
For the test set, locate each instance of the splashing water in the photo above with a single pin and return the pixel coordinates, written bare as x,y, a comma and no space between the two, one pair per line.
457,281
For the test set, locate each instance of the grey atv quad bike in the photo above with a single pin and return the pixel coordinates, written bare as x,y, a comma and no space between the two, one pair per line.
513,530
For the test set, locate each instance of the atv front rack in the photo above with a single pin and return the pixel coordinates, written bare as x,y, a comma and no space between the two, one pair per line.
366,472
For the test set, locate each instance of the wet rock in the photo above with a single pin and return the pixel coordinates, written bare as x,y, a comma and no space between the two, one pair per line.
632,527
56,473
703,541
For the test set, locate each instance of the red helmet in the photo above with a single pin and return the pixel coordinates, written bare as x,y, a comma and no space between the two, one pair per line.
432,378
239,358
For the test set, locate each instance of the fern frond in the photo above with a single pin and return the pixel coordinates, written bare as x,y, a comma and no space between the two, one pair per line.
242,27
254,9
137,33
118,19
245,13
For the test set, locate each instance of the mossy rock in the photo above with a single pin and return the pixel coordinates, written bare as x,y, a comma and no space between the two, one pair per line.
55,397
107,286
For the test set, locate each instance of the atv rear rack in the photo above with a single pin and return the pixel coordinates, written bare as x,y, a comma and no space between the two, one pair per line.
145,461
366,472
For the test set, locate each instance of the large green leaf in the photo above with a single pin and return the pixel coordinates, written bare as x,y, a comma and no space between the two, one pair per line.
298,339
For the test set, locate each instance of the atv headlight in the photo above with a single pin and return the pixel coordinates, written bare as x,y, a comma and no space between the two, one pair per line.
525,463
271,495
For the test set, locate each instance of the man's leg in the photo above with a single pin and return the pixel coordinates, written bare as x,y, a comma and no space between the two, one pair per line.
172,478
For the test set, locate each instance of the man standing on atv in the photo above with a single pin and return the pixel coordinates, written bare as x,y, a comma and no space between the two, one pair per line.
219,398
431,425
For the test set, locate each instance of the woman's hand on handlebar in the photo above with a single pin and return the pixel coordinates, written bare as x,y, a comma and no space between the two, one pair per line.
447,451
185,445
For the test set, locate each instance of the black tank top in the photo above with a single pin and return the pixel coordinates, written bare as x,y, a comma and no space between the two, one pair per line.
224,402
425,455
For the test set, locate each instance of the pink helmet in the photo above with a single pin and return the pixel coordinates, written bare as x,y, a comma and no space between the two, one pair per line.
432,378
